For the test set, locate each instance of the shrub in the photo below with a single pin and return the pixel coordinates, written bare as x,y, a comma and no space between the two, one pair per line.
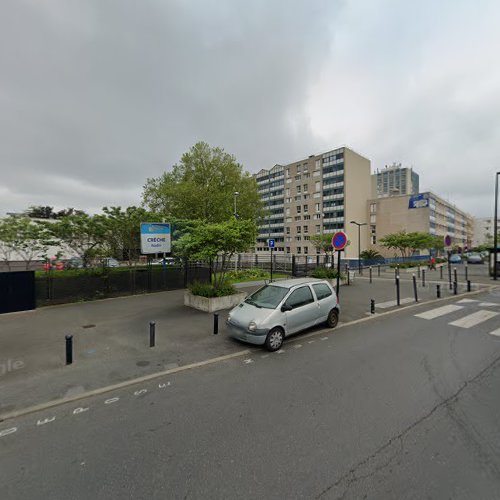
247,274
326,273
208,290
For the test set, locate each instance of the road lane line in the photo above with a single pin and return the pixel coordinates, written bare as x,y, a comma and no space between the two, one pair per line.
467,301
488,304
439,311
474,319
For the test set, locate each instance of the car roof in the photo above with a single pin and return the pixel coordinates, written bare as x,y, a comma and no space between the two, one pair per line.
296,281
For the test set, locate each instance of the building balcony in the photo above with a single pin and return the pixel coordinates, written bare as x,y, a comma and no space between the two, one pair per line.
333,197
333,174
327,219
333,209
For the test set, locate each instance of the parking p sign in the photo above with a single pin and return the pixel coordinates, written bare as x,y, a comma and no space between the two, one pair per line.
270,243
155,237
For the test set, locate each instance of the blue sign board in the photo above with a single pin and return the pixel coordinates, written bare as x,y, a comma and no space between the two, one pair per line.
419,201
270,243
155,237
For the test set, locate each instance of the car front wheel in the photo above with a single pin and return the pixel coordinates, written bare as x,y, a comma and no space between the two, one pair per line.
333,318
274,339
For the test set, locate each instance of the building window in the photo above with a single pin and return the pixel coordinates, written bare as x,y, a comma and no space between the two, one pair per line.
317,186
287,230
288,191
298,169
318,229
299,250
287,211
307,196
307,217
287,172
307,238
298,229
373,208
317,216
297,238
318,207
306,187
298,197
299,209
306,208
306,229
287,249
306,250
299,189
318,163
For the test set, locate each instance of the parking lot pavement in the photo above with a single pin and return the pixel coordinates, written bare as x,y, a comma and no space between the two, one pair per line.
111,339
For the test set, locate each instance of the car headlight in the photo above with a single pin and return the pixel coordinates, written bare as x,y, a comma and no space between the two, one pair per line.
252,326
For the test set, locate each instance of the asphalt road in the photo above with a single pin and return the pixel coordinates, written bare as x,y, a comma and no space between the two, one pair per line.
398,407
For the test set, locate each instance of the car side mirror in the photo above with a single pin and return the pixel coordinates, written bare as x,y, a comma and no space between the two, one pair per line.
286,307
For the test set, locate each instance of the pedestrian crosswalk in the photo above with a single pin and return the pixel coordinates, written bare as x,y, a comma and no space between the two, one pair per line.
473,318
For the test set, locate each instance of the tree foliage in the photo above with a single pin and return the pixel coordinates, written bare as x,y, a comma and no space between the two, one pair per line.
217,243
20,237
408,243
371,255
322,242
202,186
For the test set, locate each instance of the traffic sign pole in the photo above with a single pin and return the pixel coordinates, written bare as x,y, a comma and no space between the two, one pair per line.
271,264
338,272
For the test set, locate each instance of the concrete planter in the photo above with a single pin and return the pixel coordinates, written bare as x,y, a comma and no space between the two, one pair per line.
212,304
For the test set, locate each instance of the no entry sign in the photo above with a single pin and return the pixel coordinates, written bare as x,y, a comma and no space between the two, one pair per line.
339,240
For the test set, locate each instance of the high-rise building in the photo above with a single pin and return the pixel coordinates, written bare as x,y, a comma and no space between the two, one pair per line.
394,180
483,231
316,195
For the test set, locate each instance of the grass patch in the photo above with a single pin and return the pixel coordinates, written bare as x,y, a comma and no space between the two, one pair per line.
245,275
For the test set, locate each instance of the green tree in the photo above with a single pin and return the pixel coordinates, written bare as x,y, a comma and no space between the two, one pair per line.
217,243
322,242
408,243
85,235
202,186
122,231
371,255
20,237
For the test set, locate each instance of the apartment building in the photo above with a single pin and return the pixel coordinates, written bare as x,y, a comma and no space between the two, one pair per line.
394,180
315,195
483,231
424,212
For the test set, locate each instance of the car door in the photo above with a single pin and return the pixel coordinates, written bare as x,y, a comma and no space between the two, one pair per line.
304,310
326,301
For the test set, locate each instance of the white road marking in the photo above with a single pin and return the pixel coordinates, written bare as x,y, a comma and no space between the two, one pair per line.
496,332
142,391
467,301
311,341
474,319
488,304
281,351
76,411
439,311
6,432
265,356
45,421
324,338
298,346
392,303
111,400
162,386
248,361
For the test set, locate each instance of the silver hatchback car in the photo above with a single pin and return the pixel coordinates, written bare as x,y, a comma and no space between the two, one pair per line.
283,308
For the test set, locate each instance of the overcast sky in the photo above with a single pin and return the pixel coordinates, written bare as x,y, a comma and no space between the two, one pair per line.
98,95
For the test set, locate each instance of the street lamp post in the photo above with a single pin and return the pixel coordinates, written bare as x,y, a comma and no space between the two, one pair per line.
359,224
235,194
495,229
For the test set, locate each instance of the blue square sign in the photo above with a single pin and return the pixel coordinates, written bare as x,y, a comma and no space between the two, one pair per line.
270,243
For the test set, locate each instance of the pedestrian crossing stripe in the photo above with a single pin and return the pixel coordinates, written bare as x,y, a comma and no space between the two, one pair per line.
474,319
467,301
488,304
496,332
440,311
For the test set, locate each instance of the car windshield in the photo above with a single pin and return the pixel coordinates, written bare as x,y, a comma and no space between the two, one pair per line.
268,296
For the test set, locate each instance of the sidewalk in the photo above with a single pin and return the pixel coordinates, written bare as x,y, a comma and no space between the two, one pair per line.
111,339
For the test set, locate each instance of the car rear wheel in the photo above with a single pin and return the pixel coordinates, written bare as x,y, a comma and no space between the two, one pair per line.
333,318
274,339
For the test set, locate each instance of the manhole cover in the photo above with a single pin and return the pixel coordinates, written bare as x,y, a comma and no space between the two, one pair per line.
142,363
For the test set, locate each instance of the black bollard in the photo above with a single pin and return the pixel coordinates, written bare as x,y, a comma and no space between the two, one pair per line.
370,274
396,274
216,323
455,287
152,333
69,349
423,278
398,297
466,272
438,291
455,274
449,276
468,285
415,287
372,306
348,275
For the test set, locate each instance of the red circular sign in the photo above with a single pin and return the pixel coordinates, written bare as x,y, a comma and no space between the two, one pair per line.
339,240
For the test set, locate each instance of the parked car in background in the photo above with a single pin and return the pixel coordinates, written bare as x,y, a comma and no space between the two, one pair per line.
74,263
167,261
455,258
283,308
474,258
109,262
